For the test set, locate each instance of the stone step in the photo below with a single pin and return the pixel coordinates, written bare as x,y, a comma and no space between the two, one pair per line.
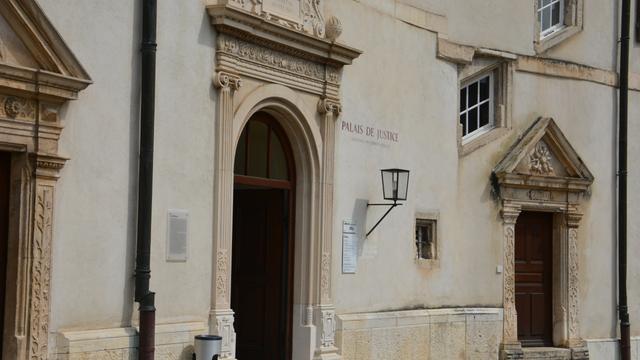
546,353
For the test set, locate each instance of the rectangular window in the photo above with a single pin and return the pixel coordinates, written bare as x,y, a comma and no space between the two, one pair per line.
550,16
426,238
476,105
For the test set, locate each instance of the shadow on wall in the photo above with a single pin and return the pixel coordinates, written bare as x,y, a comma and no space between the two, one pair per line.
127,294
359,217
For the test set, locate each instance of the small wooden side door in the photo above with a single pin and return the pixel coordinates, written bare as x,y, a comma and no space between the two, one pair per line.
533,277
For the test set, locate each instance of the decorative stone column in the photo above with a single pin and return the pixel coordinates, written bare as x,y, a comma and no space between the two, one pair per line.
510,347
574,341
325,311
39,255
221,315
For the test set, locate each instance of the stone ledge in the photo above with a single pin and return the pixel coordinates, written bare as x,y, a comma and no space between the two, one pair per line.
546,353
415,317
122,342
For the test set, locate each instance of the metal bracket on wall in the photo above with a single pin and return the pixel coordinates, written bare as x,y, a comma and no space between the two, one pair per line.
391,207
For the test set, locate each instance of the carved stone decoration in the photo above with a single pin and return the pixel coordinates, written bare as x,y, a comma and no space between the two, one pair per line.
510,315
222,270
328,336
333,28
313,21
40,273
573,284
224,328
325,282
326,106
49,113
540,160
277,60
226,80
18,108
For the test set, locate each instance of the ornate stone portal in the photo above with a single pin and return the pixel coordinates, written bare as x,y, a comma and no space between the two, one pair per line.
30,129
542,172
272,55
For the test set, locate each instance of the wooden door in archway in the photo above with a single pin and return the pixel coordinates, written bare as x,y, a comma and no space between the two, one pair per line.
262,264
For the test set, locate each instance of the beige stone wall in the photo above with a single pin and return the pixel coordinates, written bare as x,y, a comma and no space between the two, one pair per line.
93,248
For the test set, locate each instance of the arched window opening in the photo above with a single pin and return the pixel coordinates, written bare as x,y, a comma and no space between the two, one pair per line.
263,154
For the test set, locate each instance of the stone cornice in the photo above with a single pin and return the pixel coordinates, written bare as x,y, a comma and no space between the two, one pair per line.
48,166
451,51
247,26
43,84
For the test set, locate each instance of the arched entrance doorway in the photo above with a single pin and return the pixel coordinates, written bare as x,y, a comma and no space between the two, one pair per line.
263,254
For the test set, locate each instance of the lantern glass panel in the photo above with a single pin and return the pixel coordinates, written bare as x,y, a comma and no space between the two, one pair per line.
387,184
403,184
394,184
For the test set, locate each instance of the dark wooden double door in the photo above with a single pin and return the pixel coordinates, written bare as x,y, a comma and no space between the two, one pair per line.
262,274
533,278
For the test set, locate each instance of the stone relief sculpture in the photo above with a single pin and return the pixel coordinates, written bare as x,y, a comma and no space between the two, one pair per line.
540,160
312,17
300,15
16,107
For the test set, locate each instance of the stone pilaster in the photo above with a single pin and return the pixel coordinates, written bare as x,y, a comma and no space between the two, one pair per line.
324,313
510,347
574,342
39,257
221,315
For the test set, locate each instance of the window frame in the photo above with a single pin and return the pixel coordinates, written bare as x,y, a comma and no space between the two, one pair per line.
492,103
432,224
571,23
557,27
434,217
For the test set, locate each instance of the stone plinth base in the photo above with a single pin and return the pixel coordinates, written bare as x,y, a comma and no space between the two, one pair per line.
511,352
464,333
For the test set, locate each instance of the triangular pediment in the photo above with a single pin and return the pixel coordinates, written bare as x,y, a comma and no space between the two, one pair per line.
543,152
12,49
30,43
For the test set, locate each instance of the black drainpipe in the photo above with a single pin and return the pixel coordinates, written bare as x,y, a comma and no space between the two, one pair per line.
625,341
146,336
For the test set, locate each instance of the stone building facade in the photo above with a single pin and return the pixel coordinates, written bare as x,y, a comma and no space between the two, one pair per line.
273,120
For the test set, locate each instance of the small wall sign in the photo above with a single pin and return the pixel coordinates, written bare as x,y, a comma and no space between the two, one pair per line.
349,247
177,232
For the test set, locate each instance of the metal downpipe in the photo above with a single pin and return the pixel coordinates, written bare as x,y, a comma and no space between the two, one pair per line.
146,298
623,308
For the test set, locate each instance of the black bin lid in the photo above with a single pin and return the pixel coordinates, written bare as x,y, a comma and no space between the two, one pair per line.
208,337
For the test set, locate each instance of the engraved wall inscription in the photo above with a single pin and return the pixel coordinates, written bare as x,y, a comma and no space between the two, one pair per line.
288,9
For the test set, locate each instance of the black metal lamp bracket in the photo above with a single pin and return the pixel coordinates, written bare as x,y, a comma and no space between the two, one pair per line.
391,207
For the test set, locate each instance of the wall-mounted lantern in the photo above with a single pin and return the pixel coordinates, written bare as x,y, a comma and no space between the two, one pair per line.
395,186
